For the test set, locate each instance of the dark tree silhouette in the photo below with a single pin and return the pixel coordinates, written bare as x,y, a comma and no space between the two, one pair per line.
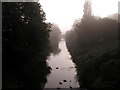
93,44
25,45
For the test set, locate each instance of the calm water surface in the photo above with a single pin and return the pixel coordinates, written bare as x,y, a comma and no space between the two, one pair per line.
63,73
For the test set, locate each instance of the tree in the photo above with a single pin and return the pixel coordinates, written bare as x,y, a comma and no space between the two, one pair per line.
55,37
87,10
25,43
93,45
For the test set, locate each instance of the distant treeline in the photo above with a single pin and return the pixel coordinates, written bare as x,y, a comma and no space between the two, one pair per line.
55,37
25,45
93,44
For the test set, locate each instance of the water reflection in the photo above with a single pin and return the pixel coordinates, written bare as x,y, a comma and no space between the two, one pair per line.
63,73
56,52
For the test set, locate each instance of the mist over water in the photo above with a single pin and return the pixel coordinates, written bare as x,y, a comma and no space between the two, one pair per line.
35,56
62,69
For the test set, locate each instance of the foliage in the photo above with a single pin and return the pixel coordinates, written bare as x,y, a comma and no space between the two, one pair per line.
93,44
25,45
55,37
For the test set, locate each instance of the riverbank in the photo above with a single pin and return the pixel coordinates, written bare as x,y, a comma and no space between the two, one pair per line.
99,66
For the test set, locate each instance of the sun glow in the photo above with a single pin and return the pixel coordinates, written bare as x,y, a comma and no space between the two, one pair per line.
65,12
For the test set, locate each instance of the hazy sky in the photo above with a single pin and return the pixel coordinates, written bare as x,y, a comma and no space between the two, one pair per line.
65,12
